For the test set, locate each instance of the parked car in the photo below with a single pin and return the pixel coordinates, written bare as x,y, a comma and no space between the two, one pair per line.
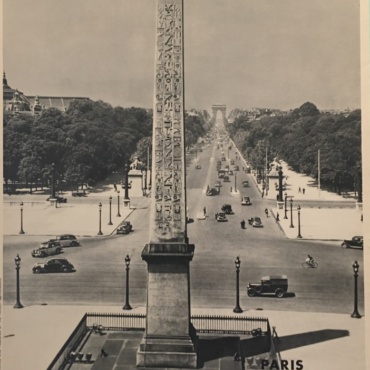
53,265
198,166
79,193
246,201
66,240
124,228
58,198
47,249
274,284
227,209
226,178
221,217
245,184
257,222
236,168
218,184
211,192
232,162
355,242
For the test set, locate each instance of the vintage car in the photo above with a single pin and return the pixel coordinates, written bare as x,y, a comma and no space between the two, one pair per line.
257,222
245,184
356,242
221,217
273,284
66,240
236,168
227,209
124,228
232,162
53,265
79,193
226,178
58,199
47,249
211,192
246,201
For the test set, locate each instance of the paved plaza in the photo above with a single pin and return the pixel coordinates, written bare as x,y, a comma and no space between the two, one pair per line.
306,336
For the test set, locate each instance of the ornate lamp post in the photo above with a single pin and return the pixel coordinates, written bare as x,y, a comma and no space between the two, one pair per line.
118,214
299,222
110,211
237,308
355,313
53,180
285,205
127,304
291,213
17,261
100,233
21,231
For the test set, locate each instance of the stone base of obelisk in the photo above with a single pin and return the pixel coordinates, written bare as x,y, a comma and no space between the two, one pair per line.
169,339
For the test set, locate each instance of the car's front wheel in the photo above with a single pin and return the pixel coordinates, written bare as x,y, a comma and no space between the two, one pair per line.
251,292
279,293
344,245
37,271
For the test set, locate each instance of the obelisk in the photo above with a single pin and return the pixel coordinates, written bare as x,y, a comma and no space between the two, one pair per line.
169,339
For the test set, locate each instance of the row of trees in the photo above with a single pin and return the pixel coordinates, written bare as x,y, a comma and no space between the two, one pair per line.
85,144
297,137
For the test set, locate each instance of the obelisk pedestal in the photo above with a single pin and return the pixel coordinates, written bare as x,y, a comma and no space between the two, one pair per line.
169,339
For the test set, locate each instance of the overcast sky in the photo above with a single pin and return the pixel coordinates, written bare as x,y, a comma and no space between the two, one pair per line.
242,53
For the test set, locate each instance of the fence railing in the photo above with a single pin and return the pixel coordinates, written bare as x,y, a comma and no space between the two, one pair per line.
202,323
116,321
230,324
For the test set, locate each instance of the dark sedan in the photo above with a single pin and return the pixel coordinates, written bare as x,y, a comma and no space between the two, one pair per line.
355,242
53,265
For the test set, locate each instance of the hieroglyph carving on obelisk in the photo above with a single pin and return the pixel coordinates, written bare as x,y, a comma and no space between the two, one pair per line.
169,199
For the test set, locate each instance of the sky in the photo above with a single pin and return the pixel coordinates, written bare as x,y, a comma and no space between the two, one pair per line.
242,53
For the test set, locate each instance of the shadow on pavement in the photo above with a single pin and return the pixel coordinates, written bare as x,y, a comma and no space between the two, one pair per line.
306,339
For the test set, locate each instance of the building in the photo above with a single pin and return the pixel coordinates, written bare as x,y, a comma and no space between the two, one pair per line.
16,102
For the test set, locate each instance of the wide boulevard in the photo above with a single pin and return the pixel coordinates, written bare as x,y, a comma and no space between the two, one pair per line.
100,273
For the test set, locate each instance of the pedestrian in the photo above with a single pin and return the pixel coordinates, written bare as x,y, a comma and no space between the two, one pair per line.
216,216
231,189
277,217
267,212
362,217
275,334
263,193
103,353
303,190
242,224
299,189
115,187
204,211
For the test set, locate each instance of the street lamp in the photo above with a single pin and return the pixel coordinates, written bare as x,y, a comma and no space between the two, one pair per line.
21,231
127,304
291,212
237,308
235,182
17,261
110,211
285,209
299,222
100,233
118,214
355,313
280,172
